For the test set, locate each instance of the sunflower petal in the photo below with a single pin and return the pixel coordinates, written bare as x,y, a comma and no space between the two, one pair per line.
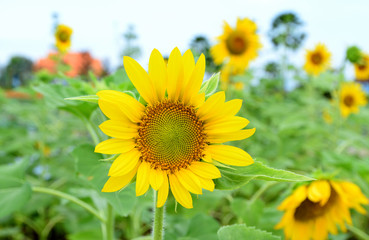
226,125
179,192
139,78
205,170
116,183
230,155
195,81
207,184
175,74
118,129
142,179
156,178
124,163
227,137
115,146
163,192
189,180
211,105
112,110
158,73
127,104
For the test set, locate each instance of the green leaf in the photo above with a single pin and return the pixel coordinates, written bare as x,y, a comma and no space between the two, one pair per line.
14,170
14,193
240,231
210,86
202,227
95,174
86,235
235,177
86,98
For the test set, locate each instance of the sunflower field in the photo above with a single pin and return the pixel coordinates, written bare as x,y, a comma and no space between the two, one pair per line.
193,145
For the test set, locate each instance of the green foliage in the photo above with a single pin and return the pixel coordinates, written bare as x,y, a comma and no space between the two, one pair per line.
14,191
235,177
210,86
16,73
241,231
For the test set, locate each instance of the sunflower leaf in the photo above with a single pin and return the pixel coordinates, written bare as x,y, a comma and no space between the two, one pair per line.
210,86
86,98
241,231
238,176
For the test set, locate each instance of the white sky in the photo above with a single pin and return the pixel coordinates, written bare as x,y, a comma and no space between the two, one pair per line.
26,25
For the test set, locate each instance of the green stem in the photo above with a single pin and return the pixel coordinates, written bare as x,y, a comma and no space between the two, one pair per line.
71,198
262,190
110,223
358,233
158,231
92,131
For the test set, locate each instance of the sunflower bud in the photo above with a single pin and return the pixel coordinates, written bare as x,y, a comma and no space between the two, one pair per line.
353,54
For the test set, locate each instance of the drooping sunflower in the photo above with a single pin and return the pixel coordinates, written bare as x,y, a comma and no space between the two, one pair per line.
362,68
63,35
314,210
174,140
351,97
237,47
317,60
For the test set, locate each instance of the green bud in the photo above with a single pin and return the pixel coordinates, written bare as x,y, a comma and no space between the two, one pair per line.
353,54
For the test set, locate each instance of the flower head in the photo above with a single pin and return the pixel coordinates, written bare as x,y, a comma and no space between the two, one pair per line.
237,47
314,210
62,37
362,68
173,141
317,60
351,97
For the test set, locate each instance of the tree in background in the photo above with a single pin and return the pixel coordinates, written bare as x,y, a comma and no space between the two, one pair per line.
16,73
286,31
130,46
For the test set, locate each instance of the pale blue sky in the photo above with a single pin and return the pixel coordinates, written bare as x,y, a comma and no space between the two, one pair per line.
25,25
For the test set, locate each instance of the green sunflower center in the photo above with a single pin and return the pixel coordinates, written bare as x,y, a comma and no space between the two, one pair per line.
236,43
63,36
349,100
316,58
309,210
170,136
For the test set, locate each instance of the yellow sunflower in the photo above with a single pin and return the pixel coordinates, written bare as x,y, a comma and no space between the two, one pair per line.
174,140
351,97
314,210
237,47
62,37
362,69
317,60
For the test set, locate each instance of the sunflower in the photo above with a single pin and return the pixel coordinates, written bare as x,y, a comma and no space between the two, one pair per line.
317,60
174,140
351,96
237,47
362,68
62,37
314,210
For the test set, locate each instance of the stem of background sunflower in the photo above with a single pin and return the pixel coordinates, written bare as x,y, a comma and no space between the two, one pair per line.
158,226
92,130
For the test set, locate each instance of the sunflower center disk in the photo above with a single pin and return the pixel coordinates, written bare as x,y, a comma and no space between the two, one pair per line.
170,136
63,36
309,210
316,58
236,43
348,101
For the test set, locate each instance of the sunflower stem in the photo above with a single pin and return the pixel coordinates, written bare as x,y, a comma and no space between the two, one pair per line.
358,233
158,228
110,223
